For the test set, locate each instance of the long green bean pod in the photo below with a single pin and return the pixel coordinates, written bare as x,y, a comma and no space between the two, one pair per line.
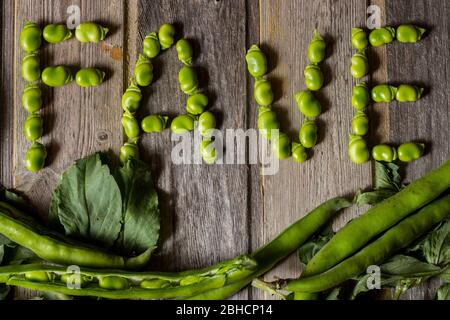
282,246
396,238
56,248
379,218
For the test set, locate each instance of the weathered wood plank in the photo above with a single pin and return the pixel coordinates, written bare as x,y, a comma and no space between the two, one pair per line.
77,121
286,29
204,208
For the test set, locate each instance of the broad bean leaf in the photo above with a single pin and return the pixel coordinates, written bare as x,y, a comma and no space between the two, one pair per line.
309,249
436,247
443,293
88,203
140,207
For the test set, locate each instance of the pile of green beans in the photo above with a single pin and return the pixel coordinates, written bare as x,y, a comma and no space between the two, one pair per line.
217,282
31,40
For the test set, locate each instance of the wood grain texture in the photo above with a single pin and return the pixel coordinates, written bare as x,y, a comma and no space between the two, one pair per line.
286,30
205,210
77,121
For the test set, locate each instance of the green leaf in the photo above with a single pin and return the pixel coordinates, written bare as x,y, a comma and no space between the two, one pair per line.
309,249
140,207
4,291
443,293
374,197
88,203
334,294
436,247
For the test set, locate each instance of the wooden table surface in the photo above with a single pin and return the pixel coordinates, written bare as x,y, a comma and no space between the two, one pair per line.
211,213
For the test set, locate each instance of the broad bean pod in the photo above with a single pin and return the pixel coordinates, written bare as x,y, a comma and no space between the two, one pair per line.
166,36
89,77
33,127
184,51
31,37
358,232
182,124
90,32
384,93
308,134
408,93
188,80
31,70
131,98
380,36
360,96
393,240
316,48
313,77
256,62
34,162
308,104
151,45
410,151
267,121
360,65
56,33
358,152
409,33
360,123
143,71
359,39
32,98
281,145
196,103
263,93
154,123
384,152
56,76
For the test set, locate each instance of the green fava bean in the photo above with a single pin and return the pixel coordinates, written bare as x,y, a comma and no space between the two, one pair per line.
359,39
31,70
188,80
182,124
308,105
113,283
360,96
89,77
151,45
56,33
383,93
313,77
90,32
32,98
281,146
56,76
256,62
299,153
143,71
316,49
30,37
408,93
33,127
360,124
196,103
263,92
154,123
410,151
308,134
206,122
267,121
37,276
155,284
360,65
166,35
384,152
358,151
35,157
72,278
128,151
185,52
131,98
208,151
409,33
381,36
130,125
